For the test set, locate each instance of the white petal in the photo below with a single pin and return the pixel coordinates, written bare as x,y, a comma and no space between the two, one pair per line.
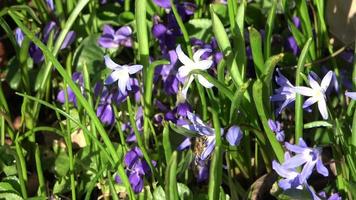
134,68
199,53
323,109
204,64
123,81
110,64
112,78
326,80
204,82
182,57
313,83
305,91
184,71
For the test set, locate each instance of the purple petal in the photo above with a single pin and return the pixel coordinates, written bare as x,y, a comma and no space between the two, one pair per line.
50,26
184,145
294,148
19,36
134,68
321,169
208,150
108,30
203,172
163,3
352,95
234,135
307,171
50,4
159,31
124,31
136,182
68,40
105,114
107,42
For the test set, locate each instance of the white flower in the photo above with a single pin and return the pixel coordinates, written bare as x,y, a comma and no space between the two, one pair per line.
190,65
120,73
316,93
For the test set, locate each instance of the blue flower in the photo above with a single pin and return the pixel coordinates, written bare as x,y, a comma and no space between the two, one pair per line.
275,126
316,93
120,73
234,135
19,36
309,157
136,169
286,92
113,39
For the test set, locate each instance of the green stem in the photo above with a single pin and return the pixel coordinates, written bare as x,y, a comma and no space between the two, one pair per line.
41,180
21,169
143,49
299,99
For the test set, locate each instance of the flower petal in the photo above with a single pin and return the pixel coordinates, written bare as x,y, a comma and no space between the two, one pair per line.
234,135
185,144
114,76
307,170
204,82
310,101
183,58
326,81
204,64
207,151
321,169
313,83
134,68
352,95
305,91
110,63
323,109
199,53
123,82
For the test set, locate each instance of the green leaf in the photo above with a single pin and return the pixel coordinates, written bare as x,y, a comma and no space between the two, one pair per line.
184,192
158,193
269,27
215,174
316,124
185,163
221,87
61,164
182,131
61,186
171,178
238,96
256,48
200,29
89,53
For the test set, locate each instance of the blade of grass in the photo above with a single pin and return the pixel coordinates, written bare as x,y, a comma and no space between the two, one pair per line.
269,27
171,188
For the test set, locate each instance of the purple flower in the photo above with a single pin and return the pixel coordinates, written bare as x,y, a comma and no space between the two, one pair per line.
77,77
19,36
214,49
120,73
309,157
316,93
234,135
168,73
286,92
36,53
113,39
292,45
334,196
163,3
50,4
275,126
136,169
296,21
352,95
197,125
105,110
291,178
